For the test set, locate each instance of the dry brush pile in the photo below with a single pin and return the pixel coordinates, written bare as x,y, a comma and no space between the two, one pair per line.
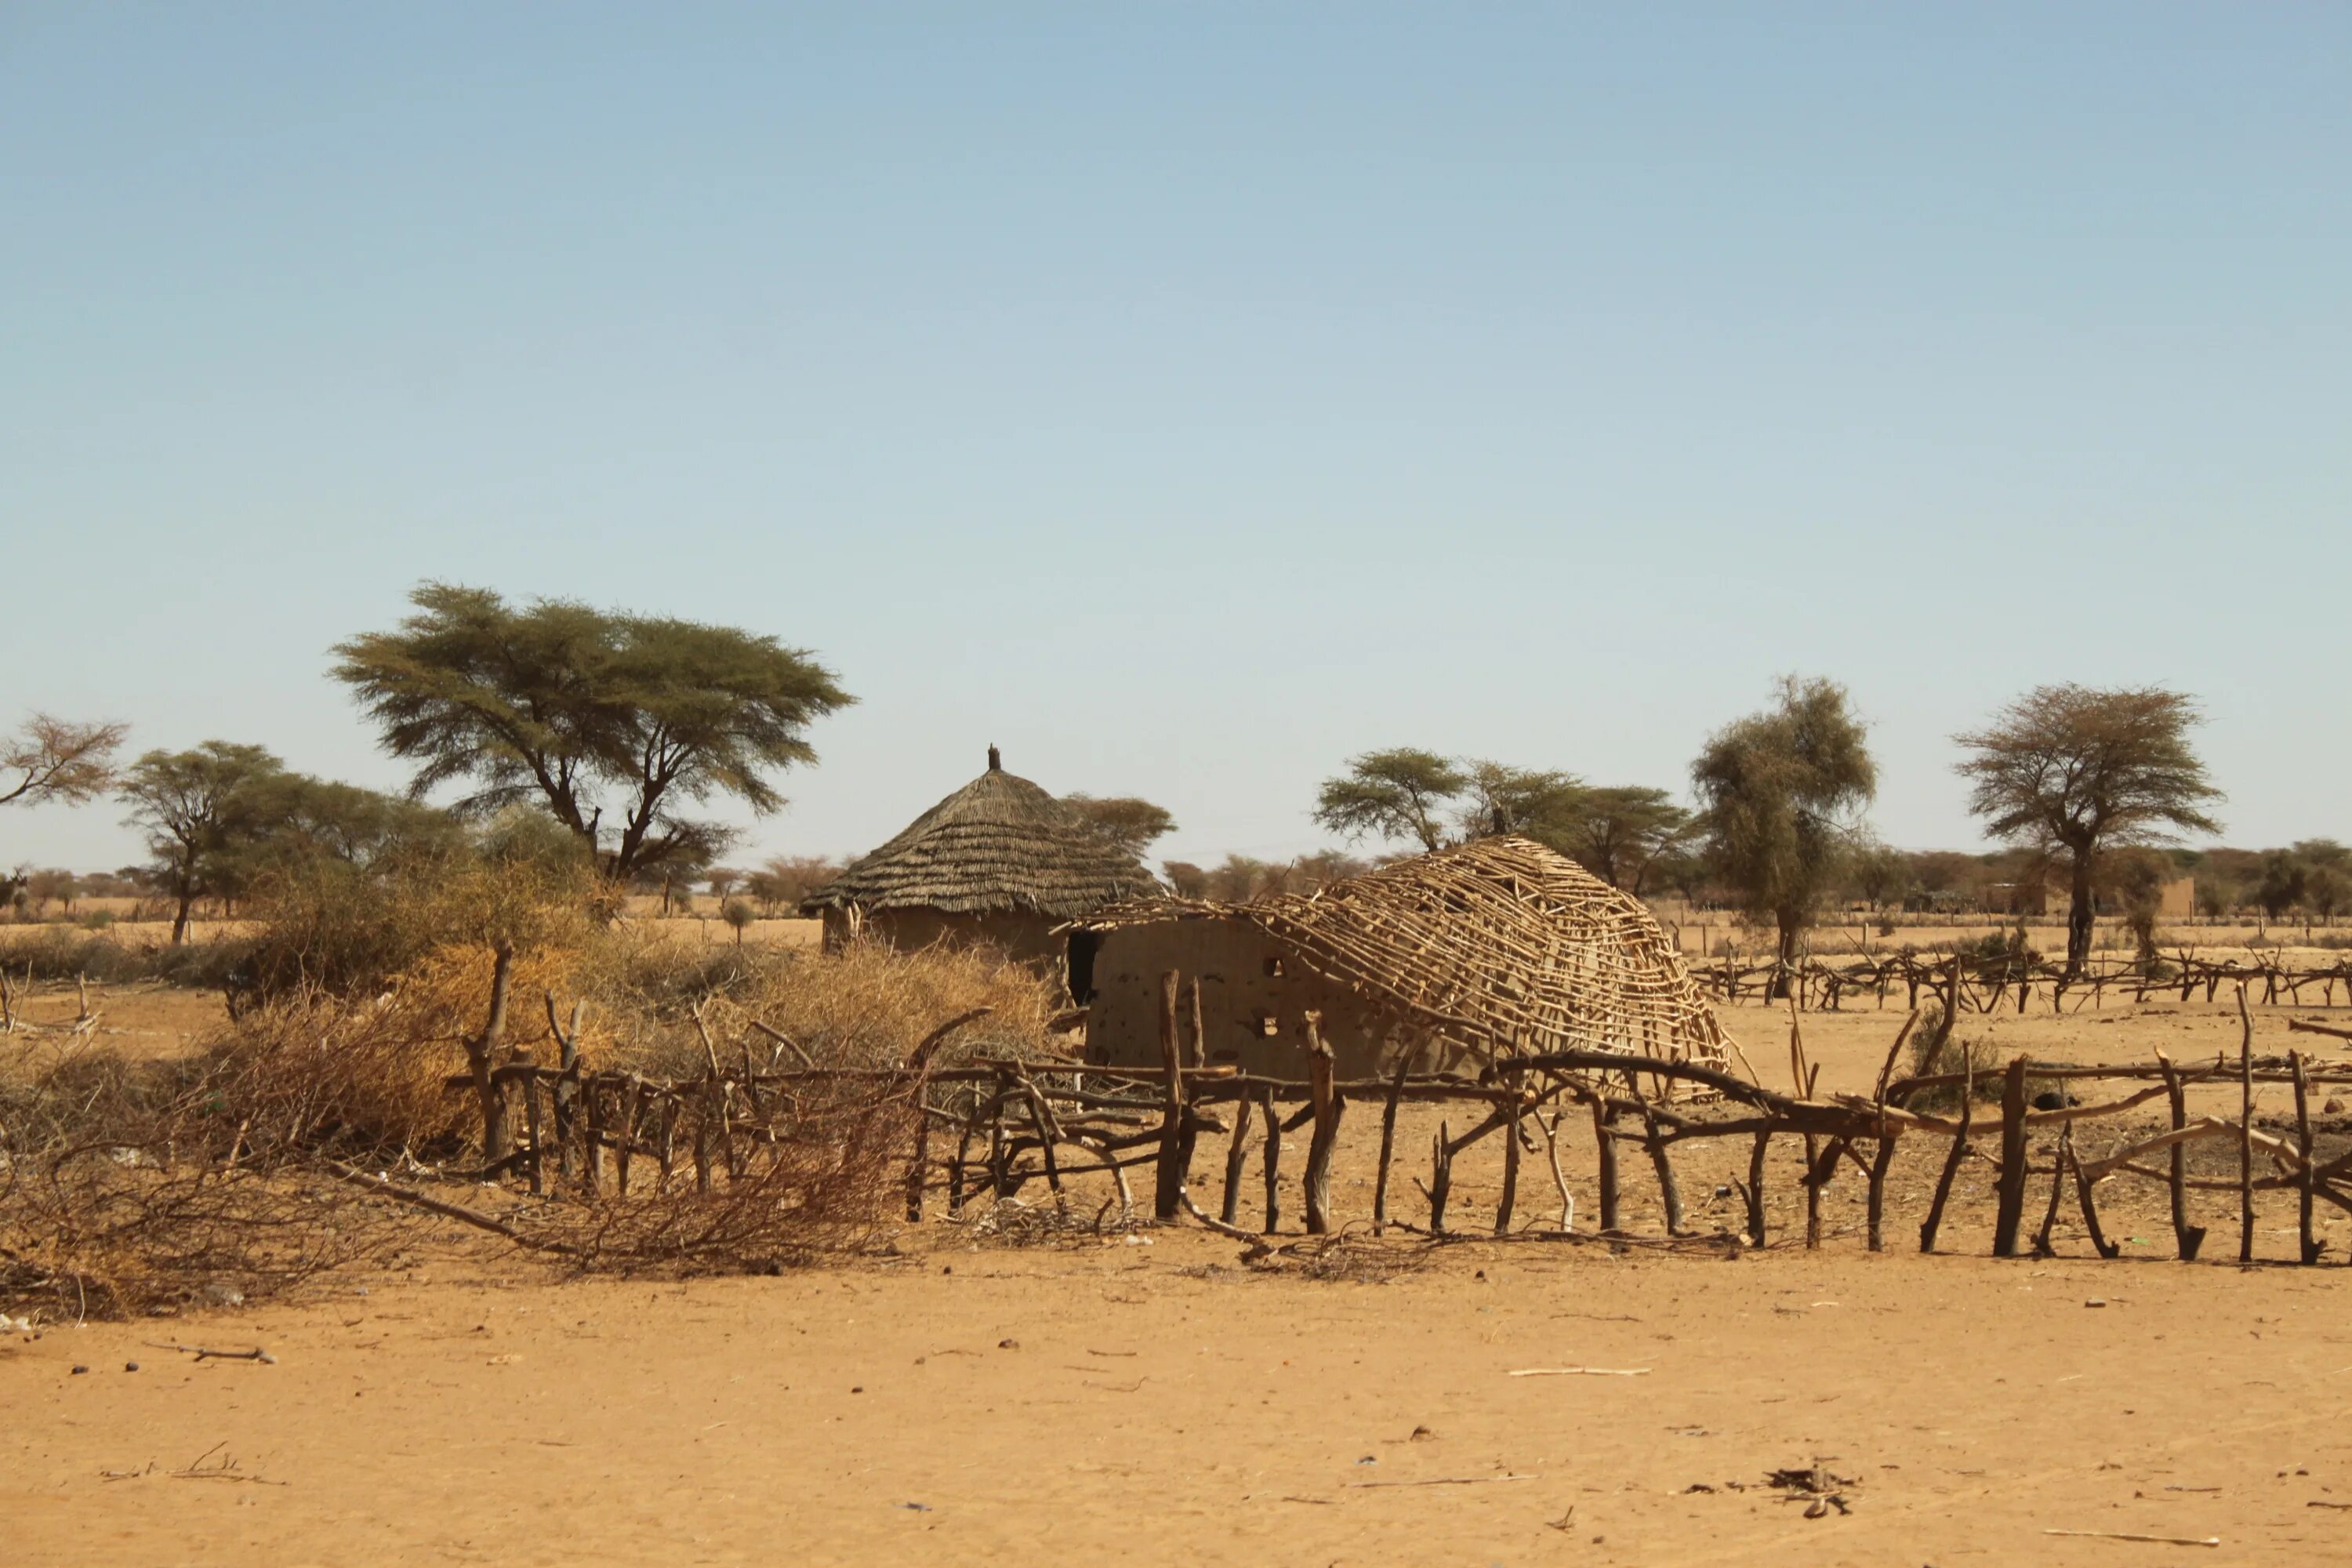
321,1127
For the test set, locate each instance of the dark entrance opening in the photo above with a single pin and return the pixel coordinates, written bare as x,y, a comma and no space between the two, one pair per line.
1084,945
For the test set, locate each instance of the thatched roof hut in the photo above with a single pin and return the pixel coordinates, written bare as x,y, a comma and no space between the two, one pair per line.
1000,861
1496,947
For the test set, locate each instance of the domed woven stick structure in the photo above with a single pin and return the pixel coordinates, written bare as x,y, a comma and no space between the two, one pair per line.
999,845
1501,946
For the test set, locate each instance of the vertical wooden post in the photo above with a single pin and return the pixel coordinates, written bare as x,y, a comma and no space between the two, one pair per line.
702,1135
1388,1145
1326,1102
592,1137
956,1168
918,1165
2304,1180
1604,1135
1559,1177
1441,1178
1510,1165
997,1174
1236,1158
2009,1214
2245,1130
1815,1176
1172,1119
1200,1026
632,1105
567,1087
1881,1160
1273,1160
482,1052
538,1140
2042,1247
1952,1159
1756,1188
2099,1241
1047,1128
1670,1192
2187,1238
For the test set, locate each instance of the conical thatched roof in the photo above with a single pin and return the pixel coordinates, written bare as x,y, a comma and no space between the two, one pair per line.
999,843
1501,944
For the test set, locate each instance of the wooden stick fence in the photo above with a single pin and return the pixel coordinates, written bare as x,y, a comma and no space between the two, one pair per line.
1980,984
1057,1120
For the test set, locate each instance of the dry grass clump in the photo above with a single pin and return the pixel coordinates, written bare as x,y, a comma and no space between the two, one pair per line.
869,1005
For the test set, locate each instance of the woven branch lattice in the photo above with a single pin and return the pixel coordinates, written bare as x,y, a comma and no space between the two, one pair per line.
1501,945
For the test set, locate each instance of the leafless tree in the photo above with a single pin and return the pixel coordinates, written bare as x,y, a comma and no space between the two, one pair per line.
55,760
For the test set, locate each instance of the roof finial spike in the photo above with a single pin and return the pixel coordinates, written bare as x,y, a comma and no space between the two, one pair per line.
995,760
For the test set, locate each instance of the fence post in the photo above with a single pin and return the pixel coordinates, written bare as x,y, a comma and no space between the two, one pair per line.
1326,1105
2010,1213
481,1053
1170,1173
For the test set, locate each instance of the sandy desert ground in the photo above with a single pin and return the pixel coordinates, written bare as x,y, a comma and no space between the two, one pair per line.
965,1399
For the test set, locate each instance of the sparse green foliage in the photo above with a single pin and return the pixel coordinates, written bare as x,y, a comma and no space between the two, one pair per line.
1880,872
564,705
1777,790
1131,824
2139,885
205,812
740,914
1399,794
2081,769
1622,832
2280,887
785,881
1533,803
1188,880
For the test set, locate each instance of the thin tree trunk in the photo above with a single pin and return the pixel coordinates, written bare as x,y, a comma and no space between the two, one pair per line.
2079,916
1785,976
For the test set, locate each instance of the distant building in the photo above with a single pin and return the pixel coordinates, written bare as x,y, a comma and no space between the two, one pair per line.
999,862
2039,900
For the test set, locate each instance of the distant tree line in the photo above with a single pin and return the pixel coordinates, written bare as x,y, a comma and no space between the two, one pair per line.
609,730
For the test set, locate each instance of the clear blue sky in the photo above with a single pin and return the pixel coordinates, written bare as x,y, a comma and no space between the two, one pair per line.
1186,397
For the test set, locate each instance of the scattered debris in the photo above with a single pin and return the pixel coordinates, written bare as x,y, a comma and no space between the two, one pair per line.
1448,1482
1582,1371
202,1354
1814,1486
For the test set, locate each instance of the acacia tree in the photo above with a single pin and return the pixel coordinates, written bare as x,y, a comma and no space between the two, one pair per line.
1131,824
2082,769
578,709
55,760
1621,833
1777,791
202,811
2281,885
1534,802
1399,793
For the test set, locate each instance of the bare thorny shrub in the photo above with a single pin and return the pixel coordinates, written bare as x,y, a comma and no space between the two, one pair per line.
125,1186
